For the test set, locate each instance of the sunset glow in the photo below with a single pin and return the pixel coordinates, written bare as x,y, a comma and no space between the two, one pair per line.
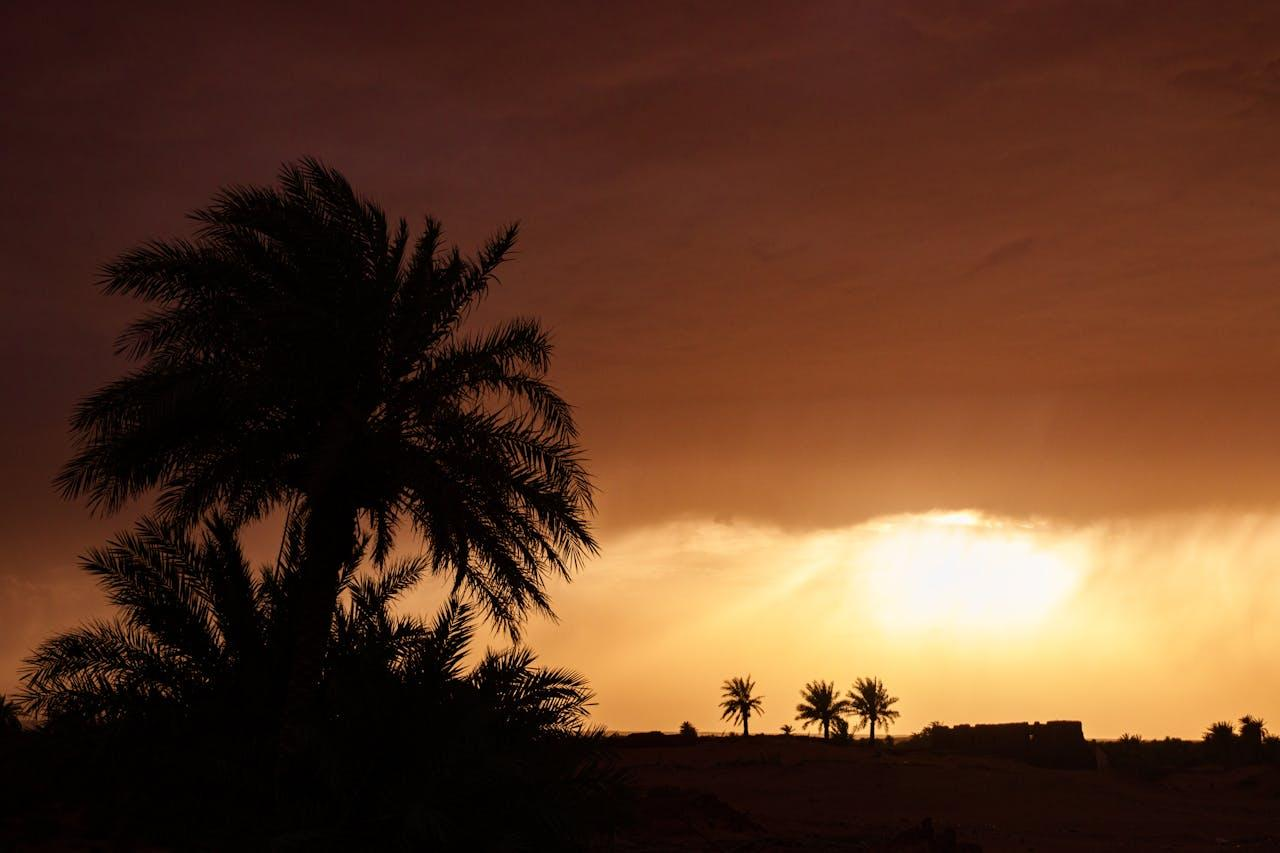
965,572
985,618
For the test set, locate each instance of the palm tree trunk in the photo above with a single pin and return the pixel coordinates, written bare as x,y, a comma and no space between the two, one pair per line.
745,718
826,728
873,729
328,542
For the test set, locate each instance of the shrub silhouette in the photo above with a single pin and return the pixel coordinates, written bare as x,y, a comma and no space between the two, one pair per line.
819,703
872,704
931,733
841,730
9,720
787,730
687,731
740,702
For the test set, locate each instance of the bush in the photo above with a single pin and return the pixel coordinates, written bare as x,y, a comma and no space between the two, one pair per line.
687,731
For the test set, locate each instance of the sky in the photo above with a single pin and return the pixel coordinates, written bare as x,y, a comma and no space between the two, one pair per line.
876,296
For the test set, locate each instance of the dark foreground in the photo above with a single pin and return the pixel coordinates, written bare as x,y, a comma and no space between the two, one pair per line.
775,793
720,794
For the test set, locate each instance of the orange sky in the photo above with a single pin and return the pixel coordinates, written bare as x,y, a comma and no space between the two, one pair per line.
807,264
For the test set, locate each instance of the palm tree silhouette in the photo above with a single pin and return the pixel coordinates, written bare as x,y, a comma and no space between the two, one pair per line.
1253,731
821,704
1220,740
302,353
200,629
1221,731
872,704
739,703
192,628
1252,728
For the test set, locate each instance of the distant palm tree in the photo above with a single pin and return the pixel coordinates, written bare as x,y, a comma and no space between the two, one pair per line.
740,702
787,730
1220,731
1252,729
9,720
1220,740
821,704
872,704
301,352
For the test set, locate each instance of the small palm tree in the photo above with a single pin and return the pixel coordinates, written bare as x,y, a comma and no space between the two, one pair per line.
1221,731
821,704
787,730
200,630
191,627
740,702
1219,738
1252,729
872,704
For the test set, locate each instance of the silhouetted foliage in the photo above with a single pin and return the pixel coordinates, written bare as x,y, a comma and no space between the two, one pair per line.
10,723
1253,728
193,631
1219,738
820,703
168,692
787,730
872,704
840,730
1153,757
930,733
687,731
302,352
740,702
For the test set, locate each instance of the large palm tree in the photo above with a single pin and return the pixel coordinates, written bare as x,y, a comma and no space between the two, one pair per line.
872,704
301,352
740,702
819,703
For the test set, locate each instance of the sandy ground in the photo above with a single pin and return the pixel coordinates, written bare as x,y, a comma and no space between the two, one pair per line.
775,793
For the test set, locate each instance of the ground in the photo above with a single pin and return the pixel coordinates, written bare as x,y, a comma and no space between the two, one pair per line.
794,793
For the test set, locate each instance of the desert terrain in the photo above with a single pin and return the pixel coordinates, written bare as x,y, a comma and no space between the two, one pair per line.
798,793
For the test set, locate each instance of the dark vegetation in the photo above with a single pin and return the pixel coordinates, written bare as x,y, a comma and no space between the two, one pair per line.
302,358
1223,745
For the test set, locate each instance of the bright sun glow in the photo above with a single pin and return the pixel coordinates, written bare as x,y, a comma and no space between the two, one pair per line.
964,570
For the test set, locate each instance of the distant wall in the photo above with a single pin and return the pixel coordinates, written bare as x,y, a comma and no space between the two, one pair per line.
1059,743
